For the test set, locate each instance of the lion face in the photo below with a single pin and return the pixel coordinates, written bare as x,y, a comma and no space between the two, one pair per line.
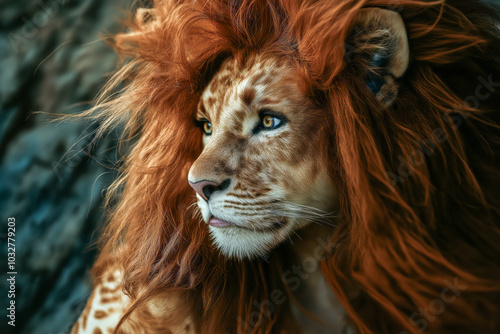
262,174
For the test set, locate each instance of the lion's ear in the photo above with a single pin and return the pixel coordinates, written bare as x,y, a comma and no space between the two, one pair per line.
378,47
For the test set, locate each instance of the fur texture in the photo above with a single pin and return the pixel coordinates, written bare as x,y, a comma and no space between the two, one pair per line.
276,179
418,179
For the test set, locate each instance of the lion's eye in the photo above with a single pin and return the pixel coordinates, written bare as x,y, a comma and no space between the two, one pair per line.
207,128
270,122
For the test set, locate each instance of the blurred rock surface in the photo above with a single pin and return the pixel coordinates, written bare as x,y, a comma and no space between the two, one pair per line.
52,59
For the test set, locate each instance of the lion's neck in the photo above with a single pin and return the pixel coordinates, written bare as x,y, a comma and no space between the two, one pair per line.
309,286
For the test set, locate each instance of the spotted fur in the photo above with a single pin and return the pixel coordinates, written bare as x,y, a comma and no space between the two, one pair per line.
108,302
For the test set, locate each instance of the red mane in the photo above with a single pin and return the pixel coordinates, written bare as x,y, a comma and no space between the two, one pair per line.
418,181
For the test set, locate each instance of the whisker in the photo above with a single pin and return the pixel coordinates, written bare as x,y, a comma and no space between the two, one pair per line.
300,211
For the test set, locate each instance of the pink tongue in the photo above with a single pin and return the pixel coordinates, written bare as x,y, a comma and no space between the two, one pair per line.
215,222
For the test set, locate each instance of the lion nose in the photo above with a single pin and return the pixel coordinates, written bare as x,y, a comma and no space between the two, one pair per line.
206,188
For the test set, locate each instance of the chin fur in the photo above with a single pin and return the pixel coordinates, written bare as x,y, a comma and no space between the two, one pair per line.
240,243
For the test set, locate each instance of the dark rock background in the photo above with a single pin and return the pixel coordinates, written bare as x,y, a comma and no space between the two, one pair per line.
52,59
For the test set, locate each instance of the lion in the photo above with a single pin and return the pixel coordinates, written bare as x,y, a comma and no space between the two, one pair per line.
308,166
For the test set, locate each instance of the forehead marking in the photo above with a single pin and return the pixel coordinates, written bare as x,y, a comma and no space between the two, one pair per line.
248,95
240,86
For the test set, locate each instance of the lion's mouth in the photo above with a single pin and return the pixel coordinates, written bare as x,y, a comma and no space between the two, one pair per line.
216,222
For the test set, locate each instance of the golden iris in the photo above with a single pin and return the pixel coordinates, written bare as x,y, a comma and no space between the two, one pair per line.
268,121
207,128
